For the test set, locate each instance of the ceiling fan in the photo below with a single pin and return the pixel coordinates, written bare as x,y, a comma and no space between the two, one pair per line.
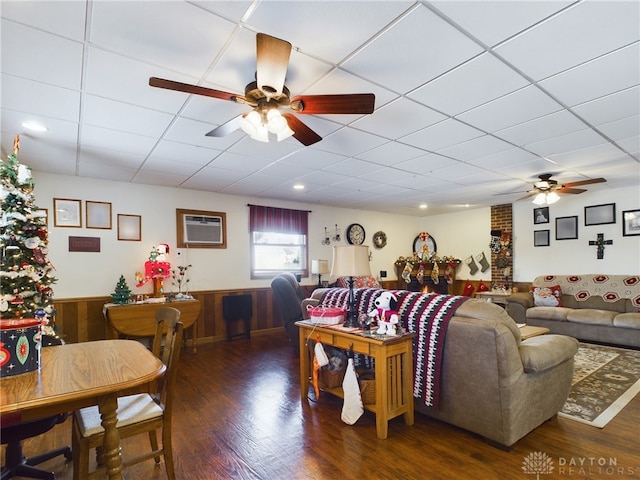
267,95
546,190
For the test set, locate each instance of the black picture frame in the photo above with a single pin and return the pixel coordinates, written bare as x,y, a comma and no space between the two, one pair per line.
631,222
567,228
541,238
540,215
600,214
430,241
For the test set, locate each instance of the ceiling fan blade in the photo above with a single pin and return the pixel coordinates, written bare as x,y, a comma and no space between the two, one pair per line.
194,89
226,128
272,62
584,182
344,103
571,190
528,195
301,132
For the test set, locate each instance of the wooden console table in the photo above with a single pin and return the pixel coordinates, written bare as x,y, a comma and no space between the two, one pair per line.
393,369
139,319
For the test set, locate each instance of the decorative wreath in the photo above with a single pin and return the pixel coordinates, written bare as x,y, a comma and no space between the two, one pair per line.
380,239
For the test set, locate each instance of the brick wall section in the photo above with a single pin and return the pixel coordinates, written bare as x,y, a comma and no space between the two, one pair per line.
501,219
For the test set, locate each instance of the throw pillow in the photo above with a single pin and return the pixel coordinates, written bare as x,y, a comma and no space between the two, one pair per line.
547,296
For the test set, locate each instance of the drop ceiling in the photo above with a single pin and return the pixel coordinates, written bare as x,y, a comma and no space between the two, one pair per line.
474,99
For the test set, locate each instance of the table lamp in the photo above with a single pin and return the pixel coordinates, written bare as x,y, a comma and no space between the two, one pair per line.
350,261
319,267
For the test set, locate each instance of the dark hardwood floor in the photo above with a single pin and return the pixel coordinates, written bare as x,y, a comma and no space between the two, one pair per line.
239,416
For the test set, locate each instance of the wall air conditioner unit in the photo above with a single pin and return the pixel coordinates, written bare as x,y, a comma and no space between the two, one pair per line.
203,230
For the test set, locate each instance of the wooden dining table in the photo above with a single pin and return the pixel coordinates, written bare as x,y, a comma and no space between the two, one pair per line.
79,375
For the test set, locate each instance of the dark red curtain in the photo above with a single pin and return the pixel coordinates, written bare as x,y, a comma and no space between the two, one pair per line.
281,220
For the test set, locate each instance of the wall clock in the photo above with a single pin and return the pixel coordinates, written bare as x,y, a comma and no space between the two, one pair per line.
430,242
379,239
355,234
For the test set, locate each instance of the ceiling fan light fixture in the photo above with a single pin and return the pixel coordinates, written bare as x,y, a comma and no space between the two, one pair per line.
286,133
262,133
275,121
540,199
250,123
552,197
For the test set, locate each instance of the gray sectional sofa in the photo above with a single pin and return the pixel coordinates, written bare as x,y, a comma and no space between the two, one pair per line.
595,307
493,383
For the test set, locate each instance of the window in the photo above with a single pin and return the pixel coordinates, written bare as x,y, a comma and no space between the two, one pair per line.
278,241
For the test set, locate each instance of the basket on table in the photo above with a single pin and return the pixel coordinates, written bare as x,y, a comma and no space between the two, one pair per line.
325,315
332,375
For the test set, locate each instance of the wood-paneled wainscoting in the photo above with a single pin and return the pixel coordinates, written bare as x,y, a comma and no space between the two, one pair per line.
82,320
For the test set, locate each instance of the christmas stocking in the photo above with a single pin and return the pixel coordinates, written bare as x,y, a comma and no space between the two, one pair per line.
482,260
471,264
435,272
420,274
494,245
352,408
468,289
448,273
406,273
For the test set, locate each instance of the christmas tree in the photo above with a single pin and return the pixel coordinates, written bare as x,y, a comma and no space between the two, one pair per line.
26,274
122,293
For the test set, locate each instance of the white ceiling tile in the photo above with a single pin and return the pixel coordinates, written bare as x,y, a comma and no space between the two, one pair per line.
442,135
398,118
44,155
242,163
29,53
353,168
27,96
106,172
312,158
576,35
164,179
352,21
631,145
593,79
565,143
477,147
350,143
111,157
494,21
173,35
590,156
542,128
103,138
391,153
426,163
193,132
66,19
621,129
180,153
104,113
417,60
469,85
611,108
504,160
517,107
213,178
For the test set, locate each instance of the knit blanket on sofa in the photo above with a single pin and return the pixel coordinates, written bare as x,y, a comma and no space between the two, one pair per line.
610,287
427,315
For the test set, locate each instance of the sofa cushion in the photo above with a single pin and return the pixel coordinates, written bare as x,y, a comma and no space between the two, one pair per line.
547,296
592,316
627,320
537,359
358,282
549,313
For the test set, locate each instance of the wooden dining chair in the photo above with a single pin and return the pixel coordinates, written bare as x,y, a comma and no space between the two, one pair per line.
139,413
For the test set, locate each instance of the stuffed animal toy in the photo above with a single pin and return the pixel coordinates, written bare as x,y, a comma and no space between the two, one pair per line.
385,313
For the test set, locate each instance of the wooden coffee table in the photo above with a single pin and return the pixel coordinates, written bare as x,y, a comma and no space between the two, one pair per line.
529,331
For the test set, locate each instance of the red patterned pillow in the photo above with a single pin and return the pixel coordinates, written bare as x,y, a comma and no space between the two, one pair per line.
547,296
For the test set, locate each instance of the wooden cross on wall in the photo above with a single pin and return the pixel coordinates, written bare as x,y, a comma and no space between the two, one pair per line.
600,243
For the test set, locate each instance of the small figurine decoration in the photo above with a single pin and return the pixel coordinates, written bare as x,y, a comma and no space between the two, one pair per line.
385,313
156,269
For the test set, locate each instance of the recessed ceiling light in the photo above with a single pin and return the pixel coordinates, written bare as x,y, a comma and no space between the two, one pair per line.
298,186
36,127
423,206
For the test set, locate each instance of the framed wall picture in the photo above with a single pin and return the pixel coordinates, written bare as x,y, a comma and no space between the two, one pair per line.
541,215
541,238
67,212
98,214
630,223
600,214
567,228
129,227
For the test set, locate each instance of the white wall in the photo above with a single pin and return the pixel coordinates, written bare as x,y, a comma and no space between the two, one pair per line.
461,235
564,257
95,274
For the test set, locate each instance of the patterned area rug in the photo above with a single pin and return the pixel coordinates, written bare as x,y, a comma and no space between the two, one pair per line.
605,379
